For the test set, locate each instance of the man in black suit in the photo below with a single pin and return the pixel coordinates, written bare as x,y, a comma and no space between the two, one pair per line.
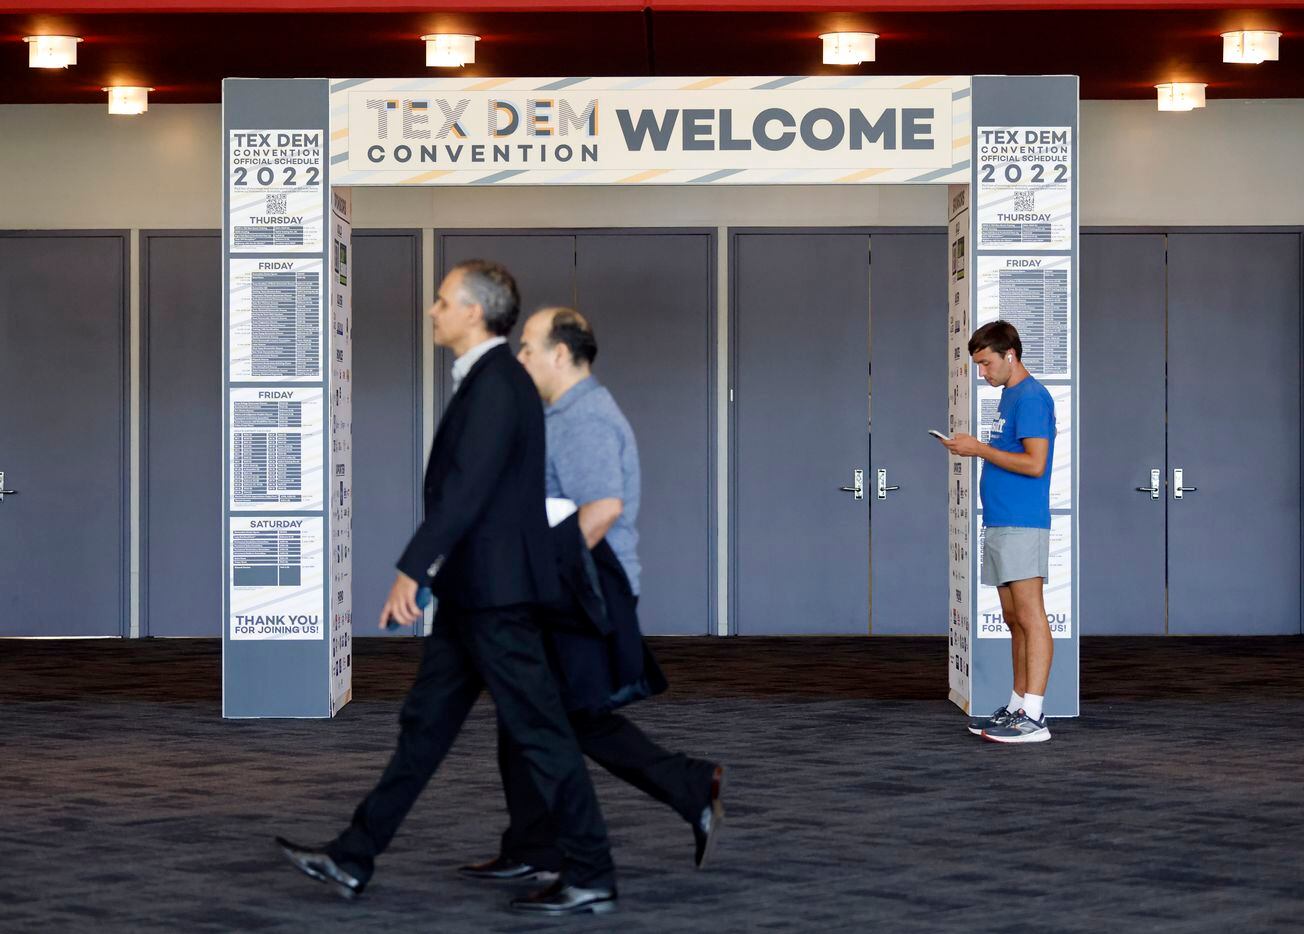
485,547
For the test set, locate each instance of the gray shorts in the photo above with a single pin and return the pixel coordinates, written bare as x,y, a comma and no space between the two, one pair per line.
1014,554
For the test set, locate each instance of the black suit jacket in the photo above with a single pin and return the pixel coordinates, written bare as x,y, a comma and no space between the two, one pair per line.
485,541
594,643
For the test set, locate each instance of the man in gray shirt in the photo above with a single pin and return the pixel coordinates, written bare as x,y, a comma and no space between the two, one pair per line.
592,460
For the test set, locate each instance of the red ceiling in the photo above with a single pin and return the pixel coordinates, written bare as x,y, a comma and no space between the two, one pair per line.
612,6
1120,53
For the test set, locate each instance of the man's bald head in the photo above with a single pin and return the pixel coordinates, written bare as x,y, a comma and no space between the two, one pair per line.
569,328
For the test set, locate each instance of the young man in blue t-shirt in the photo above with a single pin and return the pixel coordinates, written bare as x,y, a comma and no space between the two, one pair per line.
1015,492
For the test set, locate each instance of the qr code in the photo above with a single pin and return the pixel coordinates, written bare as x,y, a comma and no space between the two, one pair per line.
1025,201
276,204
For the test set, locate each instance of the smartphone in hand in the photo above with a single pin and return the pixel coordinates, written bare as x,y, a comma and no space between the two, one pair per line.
938,435
424,596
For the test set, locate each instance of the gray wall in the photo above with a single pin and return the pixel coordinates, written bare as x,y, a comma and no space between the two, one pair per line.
73,166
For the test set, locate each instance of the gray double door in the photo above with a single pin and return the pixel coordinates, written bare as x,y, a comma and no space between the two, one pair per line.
651,297
63,433
839,371
1190,361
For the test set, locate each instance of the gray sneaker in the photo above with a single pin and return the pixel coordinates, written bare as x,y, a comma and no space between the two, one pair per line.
999,717
1021,728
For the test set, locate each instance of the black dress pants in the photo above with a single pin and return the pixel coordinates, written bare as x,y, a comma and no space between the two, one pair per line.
621,748
501,649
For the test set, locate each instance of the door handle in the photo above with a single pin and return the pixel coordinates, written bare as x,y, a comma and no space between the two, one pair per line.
883,488
1178,489
857,478
3,491
1153,488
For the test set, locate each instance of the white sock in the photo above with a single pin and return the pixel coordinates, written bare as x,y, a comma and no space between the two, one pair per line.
1016,701
1032,705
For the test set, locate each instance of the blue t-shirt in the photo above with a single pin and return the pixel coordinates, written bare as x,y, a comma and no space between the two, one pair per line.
1010,499
592,455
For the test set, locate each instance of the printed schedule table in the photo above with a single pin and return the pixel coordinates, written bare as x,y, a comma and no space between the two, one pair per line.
266,557
279,235
268,464
268,467
1036,301
268,414
996,235
285,323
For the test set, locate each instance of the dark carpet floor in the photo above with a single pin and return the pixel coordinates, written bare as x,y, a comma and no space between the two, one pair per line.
857,800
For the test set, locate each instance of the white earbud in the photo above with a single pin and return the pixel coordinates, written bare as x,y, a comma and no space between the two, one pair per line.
1009,358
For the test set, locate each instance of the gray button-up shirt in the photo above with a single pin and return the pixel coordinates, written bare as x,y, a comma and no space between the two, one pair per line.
592,455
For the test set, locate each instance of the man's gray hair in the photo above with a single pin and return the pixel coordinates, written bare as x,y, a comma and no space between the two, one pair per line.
491,286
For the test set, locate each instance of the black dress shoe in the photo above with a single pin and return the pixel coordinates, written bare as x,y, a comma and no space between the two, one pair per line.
561,899
505,869
707,826
315,864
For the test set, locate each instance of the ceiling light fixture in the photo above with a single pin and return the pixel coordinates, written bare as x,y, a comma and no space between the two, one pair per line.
1251,46
1181,96
447,50
128,101
51,51
848,48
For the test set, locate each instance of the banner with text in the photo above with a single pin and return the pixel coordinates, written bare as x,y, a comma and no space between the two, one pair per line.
287,641
960,473
1023,269
625,131
340,488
